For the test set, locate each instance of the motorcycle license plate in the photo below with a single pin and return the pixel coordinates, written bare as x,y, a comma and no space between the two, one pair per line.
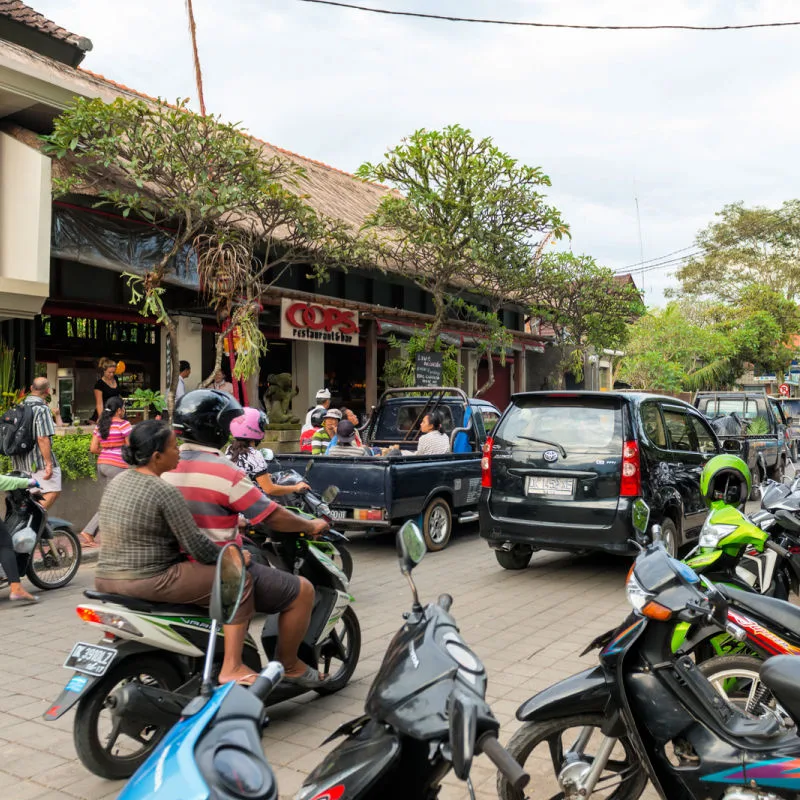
90,659
559,487
338,513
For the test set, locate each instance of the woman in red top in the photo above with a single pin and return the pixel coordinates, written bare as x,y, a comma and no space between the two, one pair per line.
108,439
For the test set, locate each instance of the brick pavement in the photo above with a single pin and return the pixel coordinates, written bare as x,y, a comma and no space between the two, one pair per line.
528,627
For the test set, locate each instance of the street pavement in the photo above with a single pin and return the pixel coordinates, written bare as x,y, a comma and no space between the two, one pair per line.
528,627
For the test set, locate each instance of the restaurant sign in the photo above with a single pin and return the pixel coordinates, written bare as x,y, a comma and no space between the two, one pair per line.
310,322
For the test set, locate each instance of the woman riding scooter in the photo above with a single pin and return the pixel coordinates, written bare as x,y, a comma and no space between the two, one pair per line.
8,558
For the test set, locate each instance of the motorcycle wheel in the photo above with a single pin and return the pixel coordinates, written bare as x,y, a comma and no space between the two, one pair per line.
345,561
623,779
97,736
54,562
342,645
518,557
737,679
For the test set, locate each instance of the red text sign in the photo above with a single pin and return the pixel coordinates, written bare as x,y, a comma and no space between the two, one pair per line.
313,322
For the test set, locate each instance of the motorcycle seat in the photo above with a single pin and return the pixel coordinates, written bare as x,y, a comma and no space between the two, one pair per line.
781,675
779,612
146,606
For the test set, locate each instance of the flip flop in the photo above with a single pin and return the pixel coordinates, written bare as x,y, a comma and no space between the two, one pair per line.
21,600
310,679
87,541
246,680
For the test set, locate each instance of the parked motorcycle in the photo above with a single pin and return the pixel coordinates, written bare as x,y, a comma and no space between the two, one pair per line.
52,548
426,714
131,687
647,713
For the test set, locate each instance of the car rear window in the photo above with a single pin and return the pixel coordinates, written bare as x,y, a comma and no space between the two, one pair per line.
577,425
397,420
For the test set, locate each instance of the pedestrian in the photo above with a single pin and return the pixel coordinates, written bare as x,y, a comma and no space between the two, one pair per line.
307,435
350,416
221,383
108,439
346,444
433,442
40,460
107,386
323,398
322,438
184,371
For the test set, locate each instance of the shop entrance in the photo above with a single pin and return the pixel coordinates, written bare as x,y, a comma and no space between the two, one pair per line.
345,376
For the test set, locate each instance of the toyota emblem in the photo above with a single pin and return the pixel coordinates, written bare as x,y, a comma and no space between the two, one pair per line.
550,456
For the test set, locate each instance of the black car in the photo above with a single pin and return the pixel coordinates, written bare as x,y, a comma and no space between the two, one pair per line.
562,469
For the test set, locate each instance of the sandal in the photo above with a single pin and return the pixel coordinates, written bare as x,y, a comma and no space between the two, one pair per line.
310,679
87,541
246,680
23,600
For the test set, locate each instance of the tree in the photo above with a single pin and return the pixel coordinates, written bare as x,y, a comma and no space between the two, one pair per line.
746,247
584,305
217,198
459,199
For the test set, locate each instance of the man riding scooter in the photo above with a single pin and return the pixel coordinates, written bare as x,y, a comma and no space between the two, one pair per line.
217,493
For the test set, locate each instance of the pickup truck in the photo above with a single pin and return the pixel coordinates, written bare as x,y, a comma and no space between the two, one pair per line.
381,492
751,410
790,408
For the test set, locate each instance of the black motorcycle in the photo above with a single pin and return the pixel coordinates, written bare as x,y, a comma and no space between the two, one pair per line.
53,555
647,713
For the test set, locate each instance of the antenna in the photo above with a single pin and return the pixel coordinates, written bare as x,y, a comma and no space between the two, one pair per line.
639,226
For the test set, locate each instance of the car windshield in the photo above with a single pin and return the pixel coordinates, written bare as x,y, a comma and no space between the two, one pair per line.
573,425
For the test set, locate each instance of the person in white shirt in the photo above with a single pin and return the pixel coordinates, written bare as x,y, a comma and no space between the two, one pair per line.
185,372
433,442
323,400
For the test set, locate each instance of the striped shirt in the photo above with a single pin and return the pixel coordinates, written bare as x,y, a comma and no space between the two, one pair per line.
217,492
319,442
112,445
32,461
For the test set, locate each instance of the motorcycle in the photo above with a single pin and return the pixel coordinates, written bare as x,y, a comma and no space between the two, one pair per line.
131,687
425,715
647,713
51,553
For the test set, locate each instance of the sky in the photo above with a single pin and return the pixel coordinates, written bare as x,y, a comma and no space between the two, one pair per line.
685,122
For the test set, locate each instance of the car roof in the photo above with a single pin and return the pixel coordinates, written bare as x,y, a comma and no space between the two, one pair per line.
630,397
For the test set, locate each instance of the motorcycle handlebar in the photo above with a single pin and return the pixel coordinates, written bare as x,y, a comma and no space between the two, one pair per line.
503,760
267,680
776,548
445,601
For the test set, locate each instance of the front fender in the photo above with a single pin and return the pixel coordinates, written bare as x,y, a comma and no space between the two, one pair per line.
584,693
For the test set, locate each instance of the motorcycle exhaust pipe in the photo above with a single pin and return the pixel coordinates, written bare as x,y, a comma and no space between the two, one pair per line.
147,704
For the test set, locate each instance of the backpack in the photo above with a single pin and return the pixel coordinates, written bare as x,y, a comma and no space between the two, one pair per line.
16,430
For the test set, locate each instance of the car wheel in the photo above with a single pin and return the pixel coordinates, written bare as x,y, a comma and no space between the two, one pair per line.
518,557
669,536
437,524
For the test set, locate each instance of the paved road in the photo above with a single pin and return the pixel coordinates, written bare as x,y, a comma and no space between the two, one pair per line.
528,627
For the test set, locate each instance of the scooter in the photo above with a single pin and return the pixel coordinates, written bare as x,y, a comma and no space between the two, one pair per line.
49,551
647,713
130,688
426,714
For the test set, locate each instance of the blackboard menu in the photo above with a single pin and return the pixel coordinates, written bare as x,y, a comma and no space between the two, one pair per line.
429,369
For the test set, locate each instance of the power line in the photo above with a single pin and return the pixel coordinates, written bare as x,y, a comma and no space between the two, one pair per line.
520,23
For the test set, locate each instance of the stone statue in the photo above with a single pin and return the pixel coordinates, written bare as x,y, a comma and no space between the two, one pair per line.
278,397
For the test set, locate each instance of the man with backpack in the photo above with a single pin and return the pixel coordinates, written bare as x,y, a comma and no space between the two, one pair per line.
27,435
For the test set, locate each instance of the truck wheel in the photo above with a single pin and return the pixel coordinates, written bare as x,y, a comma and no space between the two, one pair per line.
778,470
437,524
755,475
793,454
518,557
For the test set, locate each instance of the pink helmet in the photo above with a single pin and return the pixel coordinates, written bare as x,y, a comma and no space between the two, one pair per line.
250,425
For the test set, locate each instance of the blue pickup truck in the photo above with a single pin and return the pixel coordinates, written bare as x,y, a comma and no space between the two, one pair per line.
381,492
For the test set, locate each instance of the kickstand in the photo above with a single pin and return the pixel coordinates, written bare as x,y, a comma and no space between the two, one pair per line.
471,788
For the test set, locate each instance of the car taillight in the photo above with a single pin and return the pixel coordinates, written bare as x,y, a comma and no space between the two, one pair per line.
486,464
631,483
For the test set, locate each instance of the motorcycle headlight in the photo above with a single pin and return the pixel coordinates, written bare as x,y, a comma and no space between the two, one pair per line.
711,535
637,596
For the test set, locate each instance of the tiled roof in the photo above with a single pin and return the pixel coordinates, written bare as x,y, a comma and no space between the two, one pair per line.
25,15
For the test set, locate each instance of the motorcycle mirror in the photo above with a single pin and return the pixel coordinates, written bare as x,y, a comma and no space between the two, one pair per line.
226,596
657,534
641,515
268,454
732,446
330,494
308,466
410,550
463,728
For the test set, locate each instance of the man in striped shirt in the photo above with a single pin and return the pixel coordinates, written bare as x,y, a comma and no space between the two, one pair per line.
217,493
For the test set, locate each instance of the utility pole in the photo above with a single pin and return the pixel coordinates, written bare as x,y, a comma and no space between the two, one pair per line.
198,75
641,245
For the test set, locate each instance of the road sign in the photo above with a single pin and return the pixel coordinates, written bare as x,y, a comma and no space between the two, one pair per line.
784,389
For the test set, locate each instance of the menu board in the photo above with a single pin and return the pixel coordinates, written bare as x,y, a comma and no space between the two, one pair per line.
429,369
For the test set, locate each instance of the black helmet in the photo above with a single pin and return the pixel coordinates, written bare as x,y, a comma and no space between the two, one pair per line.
203,416
317,415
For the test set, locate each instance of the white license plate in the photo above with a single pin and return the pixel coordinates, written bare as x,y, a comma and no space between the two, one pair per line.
559,487
90,659
338,513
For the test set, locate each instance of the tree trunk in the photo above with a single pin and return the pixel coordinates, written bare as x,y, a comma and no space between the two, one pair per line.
489,378
175,363
220,353
440,313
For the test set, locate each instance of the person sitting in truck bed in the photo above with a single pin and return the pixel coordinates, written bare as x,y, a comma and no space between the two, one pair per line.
433,442
322,438
346,444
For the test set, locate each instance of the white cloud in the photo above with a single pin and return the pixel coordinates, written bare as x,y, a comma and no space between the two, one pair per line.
689,121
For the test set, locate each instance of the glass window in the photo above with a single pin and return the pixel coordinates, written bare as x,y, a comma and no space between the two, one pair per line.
678,430
704,439
653,424
489,420
399,421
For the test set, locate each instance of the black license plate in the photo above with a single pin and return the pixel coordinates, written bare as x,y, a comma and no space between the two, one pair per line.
90,659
